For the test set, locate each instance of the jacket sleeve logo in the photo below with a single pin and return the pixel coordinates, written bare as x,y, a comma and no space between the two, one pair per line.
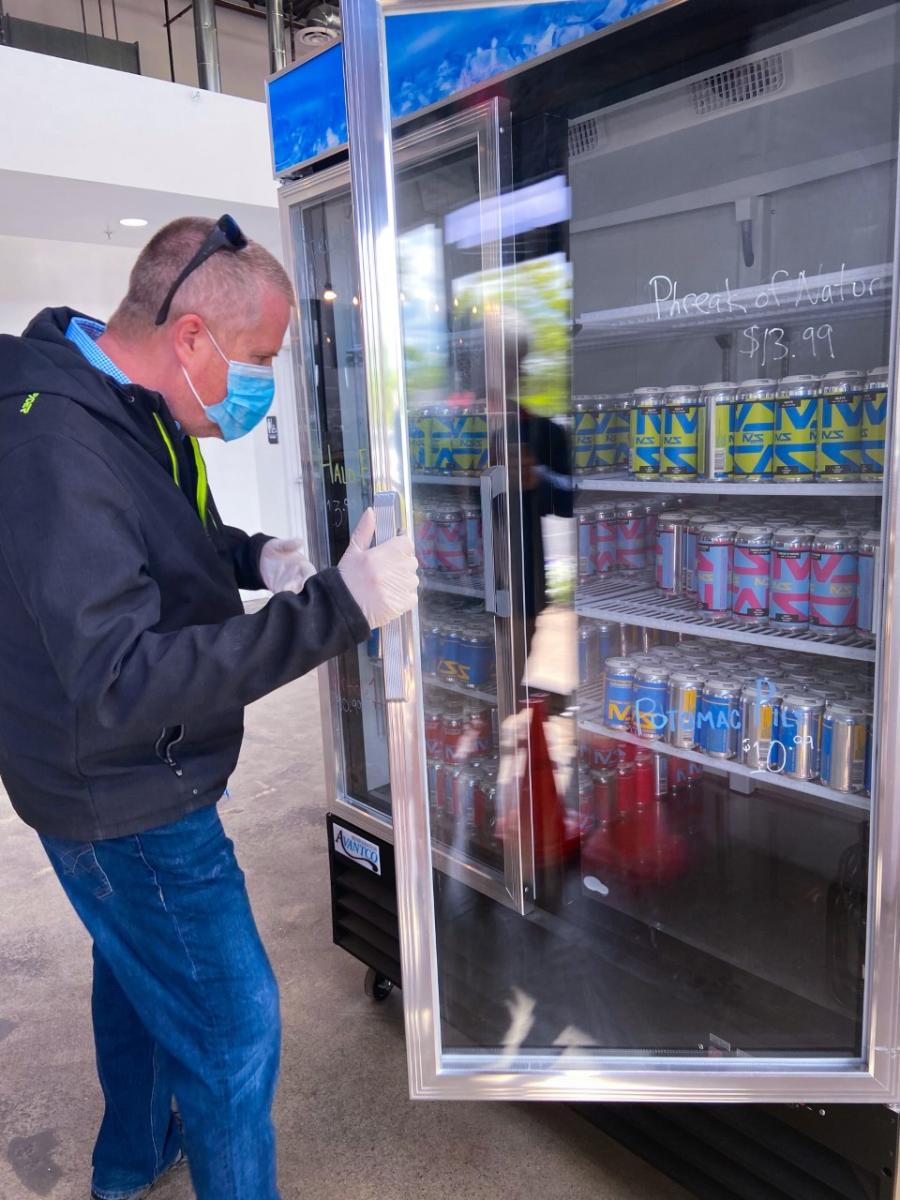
28,403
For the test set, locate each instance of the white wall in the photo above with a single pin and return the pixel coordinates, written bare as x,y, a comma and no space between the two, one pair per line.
249,478
243,52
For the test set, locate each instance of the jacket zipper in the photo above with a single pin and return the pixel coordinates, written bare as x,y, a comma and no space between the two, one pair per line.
166,742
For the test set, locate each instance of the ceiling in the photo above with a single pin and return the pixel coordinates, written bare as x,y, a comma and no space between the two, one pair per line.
75,210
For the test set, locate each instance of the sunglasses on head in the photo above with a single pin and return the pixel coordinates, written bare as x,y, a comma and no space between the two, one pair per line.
225,235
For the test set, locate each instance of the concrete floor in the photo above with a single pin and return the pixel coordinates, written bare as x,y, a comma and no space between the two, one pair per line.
346,1128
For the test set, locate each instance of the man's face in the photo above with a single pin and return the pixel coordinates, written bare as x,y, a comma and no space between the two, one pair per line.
256,343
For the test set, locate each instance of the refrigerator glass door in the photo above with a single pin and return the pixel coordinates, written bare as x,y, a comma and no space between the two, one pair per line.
708,677
469,627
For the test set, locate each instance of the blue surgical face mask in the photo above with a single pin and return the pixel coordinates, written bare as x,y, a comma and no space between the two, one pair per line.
251,390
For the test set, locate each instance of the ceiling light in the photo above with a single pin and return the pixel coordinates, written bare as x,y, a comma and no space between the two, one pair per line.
133,222
329,294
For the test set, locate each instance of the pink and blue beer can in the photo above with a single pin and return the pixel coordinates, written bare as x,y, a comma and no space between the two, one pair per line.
834,578
789,583
715,551
750,572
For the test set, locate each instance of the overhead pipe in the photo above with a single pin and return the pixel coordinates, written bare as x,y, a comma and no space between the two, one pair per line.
275,20
206,36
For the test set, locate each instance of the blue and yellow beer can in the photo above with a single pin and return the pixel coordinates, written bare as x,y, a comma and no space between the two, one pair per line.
796,428
874,424
584,434
645,433
681,439
839,440
443,441
605,420
753,447
621,430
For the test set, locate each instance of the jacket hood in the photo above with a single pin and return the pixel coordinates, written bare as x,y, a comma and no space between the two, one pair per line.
44,360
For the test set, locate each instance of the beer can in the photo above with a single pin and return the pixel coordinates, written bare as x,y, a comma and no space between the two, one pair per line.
660,775
670,538
606,416
680,454
844,734
481,731
719,722
450,540
583,439
750,571
626,792
800,735
605,539
432,640
715,550
417,438
434,732
692,532
645,433
603,752
425,423
449,667
425,537
603,794
588,653
472,453
586,543
869,556
621,406
716,451
443,440
796,429
754,431
631,524
651,701
454,733
618,693
760,716
644,779
651,516
476,659
839,440
789,583
610,636
874,424
834,576
685,688
474,537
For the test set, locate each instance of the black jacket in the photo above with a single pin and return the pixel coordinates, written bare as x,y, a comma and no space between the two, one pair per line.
126,658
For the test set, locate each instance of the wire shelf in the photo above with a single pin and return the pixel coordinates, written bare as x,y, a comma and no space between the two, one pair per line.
633,599
464,585
484,694
466,481
707,487
590,718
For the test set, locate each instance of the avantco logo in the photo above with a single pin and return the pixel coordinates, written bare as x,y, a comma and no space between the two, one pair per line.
357,848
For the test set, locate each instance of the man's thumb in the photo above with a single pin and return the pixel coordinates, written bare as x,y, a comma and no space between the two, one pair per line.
364,532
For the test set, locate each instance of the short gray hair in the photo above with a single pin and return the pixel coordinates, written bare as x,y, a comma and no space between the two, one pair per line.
227,289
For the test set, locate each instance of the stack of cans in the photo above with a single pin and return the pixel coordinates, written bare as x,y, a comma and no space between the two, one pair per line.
619,535
790,714
449,439
458,643
448,536
755,570
799,429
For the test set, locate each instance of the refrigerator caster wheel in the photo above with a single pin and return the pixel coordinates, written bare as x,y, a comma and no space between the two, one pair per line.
377,988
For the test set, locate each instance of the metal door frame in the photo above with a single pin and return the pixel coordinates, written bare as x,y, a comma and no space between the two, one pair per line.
535,1076
480,125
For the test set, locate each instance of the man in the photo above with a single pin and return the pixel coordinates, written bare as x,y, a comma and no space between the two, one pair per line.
126,660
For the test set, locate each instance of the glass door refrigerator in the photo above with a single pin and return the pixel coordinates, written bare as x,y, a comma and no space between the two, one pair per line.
600,305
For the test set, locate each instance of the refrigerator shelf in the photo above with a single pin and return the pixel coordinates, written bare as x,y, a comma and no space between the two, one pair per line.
467,586
622,483
789,303
590,719
483,694
634,600
466,481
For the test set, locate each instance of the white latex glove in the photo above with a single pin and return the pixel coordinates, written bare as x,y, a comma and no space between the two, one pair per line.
382,580
283,565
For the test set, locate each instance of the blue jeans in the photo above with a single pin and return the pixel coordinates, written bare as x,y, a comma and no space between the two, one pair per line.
185,1006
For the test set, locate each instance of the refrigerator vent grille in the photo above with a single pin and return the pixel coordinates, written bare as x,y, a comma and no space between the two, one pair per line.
584,136
737,85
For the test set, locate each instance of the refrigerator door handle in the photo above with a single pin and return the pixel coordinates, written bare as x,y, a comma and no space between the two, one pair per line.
393,657
493,484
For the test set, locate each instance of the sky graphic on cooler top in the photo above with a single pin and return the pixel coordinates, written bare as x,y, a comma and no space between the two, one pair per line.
431,56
